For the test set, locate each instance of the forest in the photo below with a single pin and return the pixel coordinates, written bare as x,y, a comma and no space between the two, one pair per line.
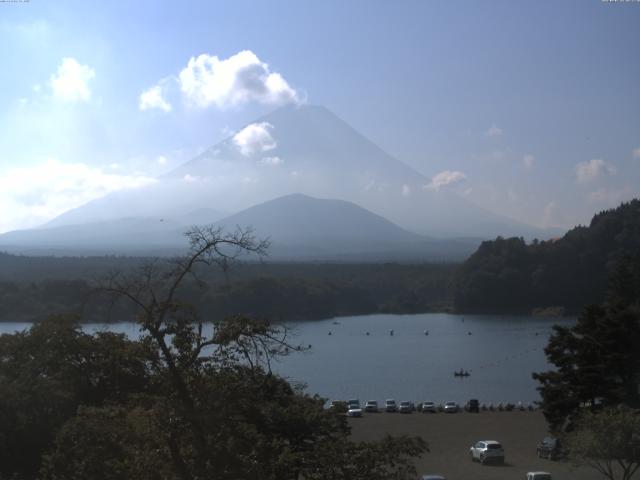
32,288
505,275
510,275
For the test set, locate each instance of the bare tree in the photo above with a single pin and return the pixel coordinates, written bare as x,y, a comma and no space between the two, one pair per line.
180,333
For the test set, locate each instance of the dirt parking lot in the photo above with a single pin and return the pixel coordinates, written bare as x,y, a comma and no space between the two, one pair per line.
450,436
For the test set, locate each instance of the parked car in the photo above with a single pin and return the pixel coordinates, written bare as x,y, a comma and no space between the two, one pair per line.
429,407
354,401
538,476
354,409
473,406
371,406
390,405
486,451
406,407
450,407
548,448
354,412
433,477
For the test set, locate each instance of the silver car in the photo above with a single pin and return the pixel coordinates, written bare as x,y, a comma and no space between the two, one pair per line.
486,451
451,407
429,407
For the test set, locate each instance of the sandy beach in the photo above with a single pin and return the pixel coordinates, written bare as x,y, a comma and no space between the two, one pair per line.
450,435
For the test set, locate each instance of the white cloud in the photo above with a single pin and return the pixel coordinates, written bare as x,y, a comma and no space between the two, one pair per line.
587,172
71,82
494,131
188,178
447,177
528,161
254,138
636,153
241,78
406,190
271,161
32,195
161,160
153,98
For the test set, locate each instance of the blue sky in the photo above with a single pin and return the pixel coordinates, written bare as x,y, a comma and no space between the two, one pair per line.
536,104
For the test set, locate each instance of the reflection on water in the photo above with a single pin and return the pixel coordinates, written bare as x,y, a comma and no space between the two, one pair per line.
357,357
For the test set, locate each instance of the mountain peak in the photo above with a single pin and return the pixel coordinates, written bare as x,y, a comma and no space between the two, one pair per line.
305,149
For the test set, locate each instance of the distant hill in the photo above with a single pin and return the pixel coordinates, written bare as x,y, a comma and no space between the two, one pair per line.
303,227
508,275
127,235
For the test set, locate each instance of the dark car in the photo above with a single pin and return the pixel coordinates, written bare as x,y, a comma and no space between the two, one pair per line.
548,448
473,406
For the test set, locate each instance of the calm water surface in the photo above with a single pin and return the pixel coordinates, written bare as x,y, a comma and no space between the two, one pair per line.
500,353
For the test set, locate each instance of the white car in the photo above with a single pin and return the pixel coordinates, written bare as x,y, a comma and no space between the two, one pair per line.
354,411
371,406
390,405
451,407
486,451
429,407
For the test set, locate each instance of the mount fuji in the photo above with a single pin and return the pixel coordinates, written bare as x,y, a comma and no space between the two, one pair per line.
294,150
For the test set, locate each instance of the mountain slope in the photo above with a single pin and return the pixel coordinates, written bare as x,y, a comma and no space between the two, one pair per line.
302,227
297,218
131,235
303,149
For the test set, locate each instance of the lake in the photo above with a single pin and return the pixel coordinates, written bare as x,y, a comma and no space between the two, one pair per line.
499,352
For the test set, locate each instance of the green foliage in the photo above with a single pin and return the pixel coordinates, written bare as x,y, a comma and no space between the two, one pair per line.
176,403
597,360
507,275
48,372
285,291
608,441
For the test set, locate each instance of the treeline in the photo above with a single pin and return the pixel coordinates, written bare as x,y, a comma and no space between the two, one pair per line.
509,275
278,291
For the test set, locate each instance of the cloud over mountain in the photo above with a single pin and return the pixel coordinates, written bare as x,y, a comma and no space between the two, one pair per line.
447,177
241,78
255,138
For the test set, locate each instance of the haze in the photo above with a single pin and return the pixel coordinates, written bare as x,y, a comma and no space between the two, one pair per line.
461,120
